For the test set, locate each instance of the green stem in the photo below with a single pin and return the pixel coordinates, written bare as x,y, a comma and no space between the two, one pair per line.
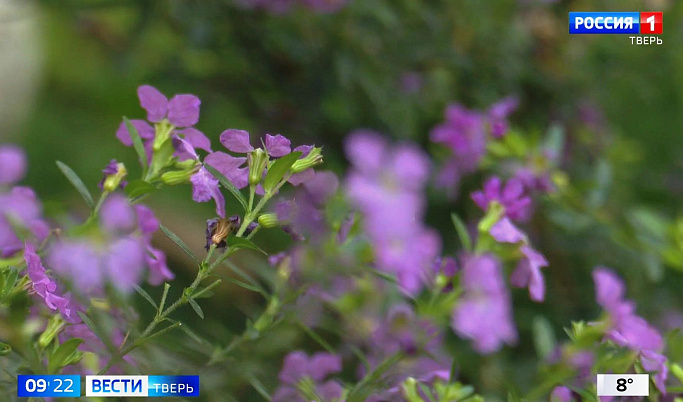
251,197
188,293
96,211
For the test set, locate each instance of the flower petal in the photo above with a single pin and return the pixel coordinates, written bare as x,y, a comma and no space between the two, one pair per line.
277,145
154,102
228,166
145,131
183,110
183,149
236,141
196,138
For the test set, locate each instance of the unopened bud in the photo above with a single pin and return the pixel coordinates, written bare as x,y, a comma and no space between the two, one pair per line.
177,177
677,371
257,159
313,158
268,220
187,164
114,174
54,326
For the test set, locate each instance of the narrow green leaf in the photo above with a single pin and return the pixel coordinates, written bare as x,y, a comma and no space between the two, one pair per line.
77,183
9,279
363,389
138,188
63,354
146,295
95,329
544,337
196,308
278,170
258,386
179,242
192,335
228,185
167,286
463,234
137,144
241,242
5,349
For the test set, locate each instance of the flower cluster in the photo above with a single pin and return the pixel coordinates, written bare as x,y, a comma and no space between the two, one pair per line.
119,253
466,134
20,210
386,184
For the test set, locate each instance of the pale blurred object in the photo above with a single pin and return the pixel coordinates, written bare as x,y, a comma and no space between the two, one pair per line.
20,63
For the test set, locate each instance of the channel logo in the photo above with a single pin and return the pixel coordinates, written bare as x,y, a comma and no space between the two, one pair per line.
141,386
650,23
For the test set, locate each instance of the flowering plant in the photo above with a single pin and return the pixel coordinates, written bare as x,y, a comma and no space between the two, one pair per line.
388,309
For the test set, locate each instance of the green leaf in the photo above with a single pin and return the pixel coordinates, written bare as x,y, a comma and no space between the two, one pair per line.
9,278
228,185
196,308
137,144
192,335
179,242
258,386
95,329
63,354
5,349
463,234
363,389
241,242
77,183
278,170
146,295
544,337
138,188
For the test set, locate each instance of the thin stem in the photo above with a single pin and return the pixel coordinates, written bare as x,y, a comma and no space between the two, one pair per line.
251,197
96,211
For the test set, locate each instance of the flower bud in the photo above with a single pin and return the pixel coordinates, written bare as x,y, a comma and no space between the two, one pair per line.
313,158
257,159
268,220
114,174
177,177
677,371
409,388
54,326
186,165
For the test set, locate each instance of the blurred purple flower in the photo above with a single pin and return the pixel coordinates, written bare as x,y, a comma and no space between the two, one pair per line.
511,196
12,164
504,231
298,366
498,114
561,394
528,273
485,295
386,184
19,207
181,110
45,287
626,328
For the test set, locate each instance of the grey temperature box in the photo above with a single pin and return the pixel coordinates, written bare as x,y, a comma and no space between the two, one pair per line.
623,385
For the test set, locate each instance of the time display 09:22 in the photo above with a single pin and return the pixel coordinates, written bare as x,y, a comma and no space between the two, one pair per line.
49,385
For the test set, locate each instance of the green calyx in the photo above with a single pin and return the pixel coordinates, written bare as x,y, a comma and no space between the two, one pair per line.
258,160
162,133
268,220
313,158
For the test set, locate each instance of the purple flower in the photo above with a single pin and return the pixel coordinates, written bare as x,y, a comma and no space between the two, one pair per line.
498,113
238,141
19,207
181,110
485,295
113,170
230,167
45,287
463,132
119,256
511,196
12,164
655,363
386,184
561,394
504,231
528,273
627,329
298,366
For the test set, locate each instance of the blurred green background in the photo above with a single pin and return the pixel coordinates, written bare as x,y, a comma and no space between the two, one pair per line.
71,68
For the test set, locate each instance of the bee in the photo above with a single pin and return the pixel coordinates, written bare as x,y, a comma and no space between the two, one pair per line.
218,230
